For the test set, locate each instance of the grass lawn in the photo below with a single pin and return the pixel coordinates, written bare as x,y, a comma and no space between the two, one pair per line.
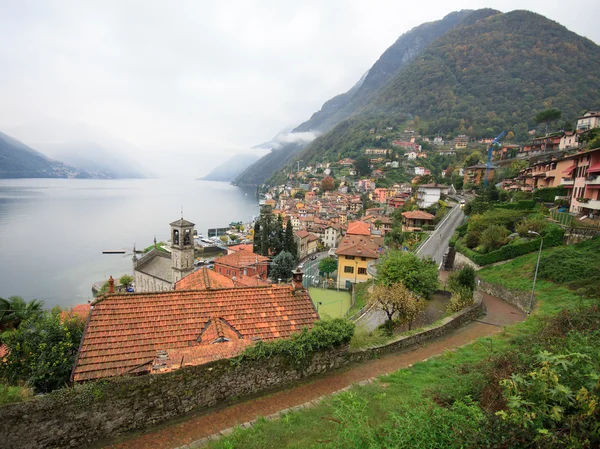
412,397
334,304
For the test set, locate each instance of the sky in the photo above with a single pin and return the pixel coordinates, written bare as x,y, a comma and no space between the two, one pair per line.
199,81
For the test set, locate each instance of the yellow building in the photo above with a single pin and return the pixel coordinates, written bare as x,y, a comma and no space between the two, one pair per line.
354,254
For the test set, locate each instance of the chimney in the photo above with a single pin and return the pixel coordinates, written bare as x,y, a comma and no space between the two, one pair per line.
111,285
297,279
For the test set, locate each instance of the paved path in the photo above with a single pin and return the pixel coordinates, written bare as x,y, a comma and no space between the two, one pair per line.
437,243
202,424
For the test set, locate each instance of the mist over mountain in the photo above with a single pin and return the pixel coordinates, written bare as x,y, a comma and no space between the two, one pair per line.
82,146
231,168
17,160
401,53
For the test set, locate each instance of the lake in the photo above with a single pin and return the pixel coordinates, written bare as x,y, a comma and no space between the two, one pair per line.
53,231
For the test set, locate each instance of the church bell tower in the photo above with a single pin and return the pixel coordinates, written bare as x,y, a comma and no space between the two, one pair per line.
182,248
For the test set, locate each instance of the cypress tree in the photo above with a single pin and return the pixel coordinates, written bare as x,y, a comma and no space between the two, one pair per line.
290,244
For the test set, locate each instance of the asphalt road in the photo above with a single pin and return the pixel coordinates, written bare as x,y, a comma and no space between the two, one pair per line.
311,269
435,247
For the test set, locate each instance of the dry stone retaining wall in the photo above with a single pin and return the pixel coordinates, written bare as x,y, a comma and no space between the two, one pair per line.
516,298
92,412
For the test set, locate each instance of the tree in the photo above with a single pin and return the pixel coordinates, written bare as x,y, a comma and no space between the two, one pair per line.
396,301
20,310
327,184
548,116
461,297
278,236
394,238
363,166
290,244
256,243
473,159
282,266
328,265
224,238
126,280
42,350
418,275
464,278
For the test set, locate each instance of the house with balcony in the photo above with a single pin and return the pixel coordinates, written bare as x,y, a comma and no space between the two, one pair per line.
582,178
475,174
414,220
590,119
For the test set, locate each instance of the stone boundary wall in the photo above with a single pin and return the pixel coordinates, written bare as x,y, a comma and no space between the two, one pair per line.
516,298
97,411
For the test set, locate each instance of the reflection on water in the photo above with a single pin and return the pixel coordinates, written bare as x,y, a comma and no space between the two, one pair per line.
53,231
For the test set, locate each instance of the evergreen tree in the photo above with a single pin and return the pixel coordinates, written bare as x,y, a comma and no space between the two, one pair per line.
266,228
290,244
256,245
279,240
282,267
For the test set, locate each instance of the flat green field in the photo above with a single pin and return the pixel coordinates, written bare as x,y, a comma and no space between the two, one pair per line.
334,304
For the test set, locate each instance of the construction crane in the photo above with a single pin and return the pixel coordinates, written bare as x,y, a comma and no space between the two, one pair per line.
489,158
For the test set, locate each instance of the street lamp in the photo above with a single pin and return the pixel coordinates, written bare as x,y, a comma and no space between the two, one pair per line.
536,269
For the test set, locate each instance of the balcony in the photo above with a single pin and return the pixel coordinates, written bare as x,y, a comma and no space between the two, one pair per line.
567,182
593,180
591,204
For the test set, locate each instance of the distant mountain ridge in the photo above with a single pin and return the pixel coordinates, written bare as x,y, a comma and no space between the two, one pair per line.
406,48
229,170
17,160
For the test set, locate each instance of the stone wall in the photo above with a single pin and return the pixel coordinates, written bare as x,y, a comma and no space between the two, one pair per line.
516,298
97,411
460,261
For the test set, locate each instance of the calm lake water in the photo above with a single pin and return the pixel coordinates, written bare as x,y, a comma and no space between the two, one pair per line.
53,231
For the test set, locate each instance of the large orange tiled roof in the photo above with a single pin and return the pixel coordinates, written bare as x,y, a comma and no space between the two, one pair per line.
126,331
417,215
358,228
245,246
241,259
358,246
202,279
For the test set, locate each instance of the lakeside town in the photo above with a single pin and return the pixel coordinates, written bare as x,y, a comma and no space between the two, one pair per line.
222,227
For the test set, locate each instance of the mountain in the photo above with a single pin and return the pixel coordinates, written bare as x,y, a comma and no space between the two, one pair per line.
83,146
406,48
17,160
230,169
478,79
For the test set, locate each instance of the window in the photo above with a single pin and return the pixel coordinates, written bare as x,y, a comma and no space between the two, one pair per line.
348,269
350,257
362,271
363,258
227,272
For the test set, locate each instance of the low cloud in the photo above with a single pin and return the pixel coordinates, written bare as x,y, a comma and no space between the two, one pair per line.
288,137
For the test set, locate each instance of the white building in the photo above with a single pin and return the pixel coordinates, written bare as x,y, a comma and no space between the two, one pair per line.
568,140
429,194
590,119
420,171
412,154
332,236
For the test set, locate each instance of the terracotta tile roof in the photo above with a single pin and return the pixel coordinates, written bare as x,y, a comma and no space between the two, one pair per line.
3,351
126,331
358,228
242,280
417,215
302,234
245,246
312,237
356,245
241,259
79,311
202,279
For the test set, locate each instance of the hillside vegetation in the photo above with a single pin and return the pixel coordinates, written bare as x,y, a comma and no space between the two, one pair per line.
495,74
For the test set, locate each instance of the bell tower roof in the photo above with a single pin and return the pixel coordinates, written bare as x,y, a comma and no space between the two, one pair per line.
181,223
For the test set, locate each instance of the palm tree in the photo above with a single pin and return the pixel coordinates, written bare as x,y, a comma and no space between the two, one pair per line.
20,310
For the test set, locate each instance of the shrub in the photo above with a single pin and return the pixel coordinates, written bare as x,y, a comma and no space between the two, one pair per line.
547,195
518,205
323,335
42,351
461,297
493,237
462,278
536,224
553,236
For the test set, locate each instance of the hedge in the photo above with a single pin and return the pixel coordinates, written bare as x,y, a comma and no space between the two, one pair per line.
519,205
554,237
547,195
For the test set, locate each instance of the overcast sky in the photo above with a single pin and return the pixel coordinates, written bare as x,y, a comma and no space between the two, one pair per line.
207,77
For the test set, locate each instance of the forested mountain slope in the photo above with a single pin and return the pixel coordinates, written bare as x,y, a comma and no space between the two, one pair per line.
480,79
392,61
